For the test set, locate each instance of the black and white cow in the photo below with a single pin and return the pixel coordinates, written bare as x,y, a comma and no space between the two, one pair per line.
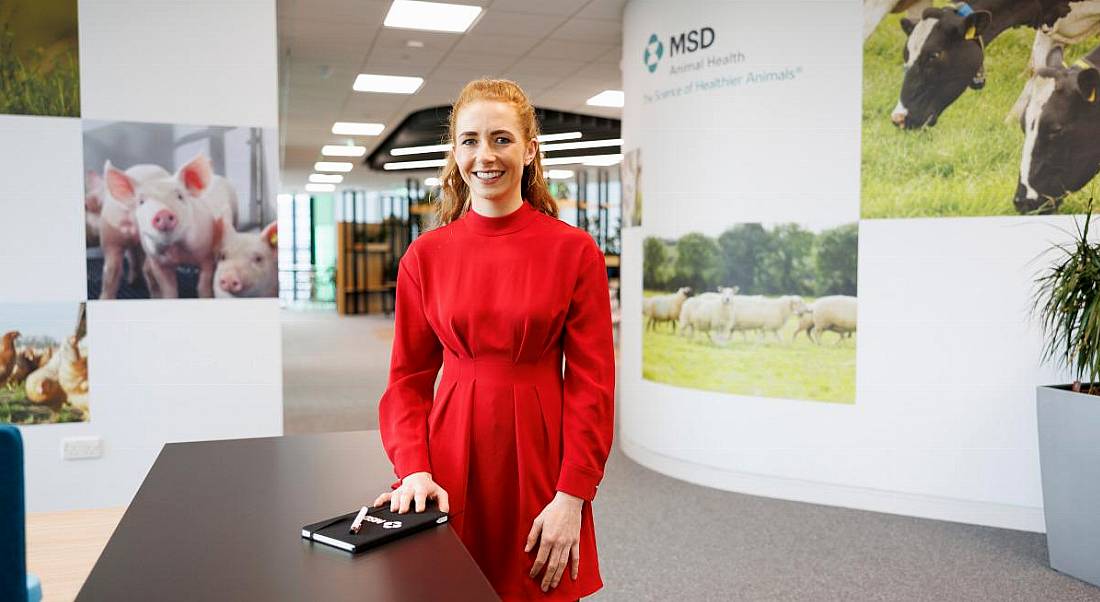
1061,133
945,51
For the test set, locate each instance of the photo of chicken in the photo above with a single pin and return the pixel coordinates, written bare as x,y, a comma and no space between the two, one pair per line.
43,363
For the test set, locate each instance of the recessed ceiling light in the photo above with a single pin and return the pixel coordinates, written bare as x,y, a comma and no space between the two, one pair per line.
603,160
353,128
431,16
339,150
414,164
387,84
582,144
559,174
432,181
442,148
326,178
561,136
607,98
331,166
320,187
414,44
420,150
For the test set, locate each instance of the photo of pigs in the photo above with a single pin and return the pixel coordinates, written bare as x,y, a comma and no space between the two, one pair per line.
759,310
43,363
980,108
39,58
176,211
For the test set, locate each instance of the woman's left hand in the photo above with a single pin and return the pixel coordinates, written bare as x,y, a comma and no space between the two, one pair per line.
559,524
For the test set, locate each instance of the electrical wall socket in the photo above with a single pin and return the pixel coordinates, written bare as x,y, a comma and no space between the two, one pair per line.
81,448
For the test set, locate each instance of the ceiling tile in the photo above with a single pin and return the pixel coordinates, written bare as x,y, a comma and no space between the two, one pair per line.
547,67
573,51
603,9
502,23
596,31
554,7
502,44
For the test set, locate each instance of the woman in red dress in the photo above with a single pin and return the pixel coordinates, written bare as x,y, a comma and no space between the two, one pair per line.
497,294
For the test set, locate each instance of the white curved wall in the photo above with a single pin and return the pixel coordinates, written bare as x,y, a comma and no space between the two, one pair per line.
944,420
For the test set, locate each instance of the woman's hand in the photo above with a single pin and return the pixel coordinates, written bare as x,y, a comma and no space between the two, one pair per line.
417,487
559,524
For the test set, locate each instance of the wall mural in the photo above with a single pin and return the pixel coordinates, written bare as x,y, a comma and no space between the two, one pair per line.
39,58
980,109
760,310
177,211
43,363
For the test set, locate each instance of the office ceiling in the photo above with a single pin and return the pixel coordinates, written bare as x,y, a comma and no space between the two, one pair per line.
561,51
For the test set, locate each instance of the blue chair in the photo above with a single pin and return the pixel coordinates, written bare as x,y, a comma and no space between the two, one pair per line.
15,583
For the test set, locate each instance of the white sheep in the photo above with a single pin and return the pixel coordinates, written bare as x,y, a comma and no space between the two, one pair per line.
765,314
708,312
664,308
836,313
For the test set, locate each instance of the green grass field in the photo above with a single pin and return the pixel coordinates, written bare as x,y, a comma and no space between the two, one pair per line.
798,370
30,86
968,164
15,409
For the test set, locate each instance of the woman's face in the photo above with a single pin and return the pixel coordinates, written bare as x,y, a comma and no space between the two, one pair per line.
490,150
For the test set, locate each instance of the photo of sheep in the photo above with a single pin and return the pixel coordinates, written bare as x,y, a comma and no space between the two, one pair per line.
631,174
39,58
761,310
43,363
980,109
180,211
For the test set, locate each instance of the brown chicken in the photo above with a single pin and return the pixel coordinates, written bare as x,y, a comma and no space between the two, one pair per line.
7,355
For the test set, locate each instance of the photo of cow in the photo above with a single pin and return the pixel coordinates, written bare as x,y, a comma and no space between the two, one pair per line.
39,58
980,109
180,211
43,363
760,310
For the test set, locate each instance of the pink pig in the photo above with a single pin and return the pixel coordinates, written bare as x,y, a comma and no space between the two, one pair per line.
114,225
175,217
247,262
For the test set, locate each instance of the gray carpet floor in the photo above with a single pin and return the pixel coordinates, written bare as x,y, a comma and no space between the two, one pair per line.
662,539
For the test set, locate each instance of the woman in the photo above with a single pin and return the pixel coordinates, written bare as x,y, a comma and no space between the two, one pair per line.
497,294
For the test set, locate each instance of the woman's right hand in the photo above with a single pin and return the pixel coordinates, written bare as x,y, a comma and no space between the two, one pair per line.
417,487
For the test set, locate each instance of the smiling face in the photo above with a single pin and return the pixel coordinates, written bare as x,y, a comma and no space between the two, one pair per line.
491,150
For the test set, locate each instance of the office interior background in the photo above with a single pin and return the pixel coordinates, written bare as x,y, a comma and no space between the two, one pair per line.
754,150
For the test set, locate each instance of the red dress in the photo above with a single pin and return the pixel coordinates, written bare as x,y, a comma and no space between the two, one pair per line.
497,301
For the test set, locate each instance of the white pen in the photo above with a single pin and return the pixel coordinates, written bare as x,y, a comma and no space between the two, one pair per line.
358,522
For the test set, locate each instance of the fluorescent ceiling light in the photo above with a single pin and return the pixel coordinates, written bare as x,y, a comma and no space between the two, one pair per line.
431,16
585,159
432,182
339,150
582,144
605,160
420,150
414,164
351,128
388,84
331,166
443,148
607,98
325,178
561,136
559,174
320,187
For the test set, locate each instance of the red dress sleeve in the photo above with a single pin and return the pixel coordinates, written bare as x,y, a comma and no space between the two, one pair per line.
415,359
589,388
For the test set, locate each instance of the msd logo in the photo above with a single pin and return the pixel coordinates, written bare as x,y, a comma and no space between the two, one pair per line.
684,42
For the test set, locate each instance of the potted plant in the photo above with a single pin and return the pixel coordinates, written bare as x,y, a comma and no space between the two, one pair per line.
1067,303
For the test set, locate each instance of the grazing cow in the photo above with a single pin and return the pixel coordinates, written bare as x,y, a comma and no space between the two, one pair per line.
874,11
1082,22
1061,133
945,52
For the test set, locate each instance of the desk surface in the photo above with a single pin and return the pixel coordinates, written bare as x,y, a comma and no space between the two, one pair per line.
221,520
